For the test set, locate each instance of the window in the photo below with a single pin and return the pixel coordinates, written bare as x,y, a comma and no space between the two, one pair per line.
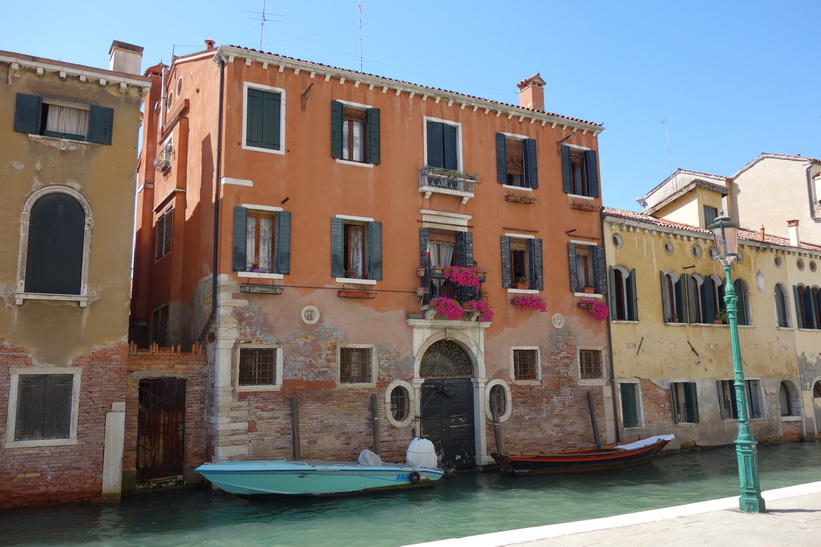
580,175
442,148
159,326
710,214
498,401
789,399
781,306
262,240
257,366
590,364
712,297
355,133
438,249
816,390
355,365
743,305
587,267
623,299
630,412
63,119
525,364
57,244
522,262
43,406
264,120
163,233
728,402
516,161
356,248
691,298
694,302
400,403
807,307
685,402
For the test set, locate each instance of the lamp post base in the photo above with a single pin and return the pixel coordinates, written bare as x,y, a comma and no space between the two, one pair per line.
750,500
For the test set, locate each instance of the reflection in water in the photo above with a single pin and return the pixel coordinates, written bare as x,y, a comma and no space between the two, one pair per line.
470,503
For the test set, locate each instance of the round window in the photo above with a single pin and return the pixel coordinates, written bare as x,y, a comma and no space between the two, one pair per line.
498,400
778,261
400,403
169,100
800,264
812,265
697,250
713,253
668,247
618,241
179,85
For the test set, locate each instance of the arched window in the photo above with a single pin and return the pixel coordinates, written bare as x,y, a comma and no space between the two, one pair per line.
804,309
56,229
712,299
623,304
816,306
743,308
781,306
672,297
695,310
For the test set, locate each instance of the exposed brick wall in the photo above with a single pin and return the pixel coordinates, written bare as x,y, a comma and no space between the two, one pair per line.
58,474
166,363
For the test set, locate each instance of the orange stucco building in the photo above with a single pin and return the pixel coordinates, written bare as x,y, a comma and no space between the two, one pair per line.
291,215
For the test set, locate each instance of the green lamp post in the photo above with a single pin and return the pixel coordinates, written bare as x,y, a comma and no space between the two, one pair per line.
726,237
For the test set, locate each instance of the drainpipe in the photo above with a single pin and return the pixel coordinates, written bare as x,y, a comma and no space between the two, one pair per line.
217,189
610,344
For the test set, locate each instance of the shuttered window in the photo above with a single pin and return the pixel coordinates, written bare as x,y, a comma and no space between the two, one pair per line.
684,402
44,403
516,161
522,262
580,172
623,299
356,249
63,119
728,401
163,233
159,326
262,241
355,133
263,119
630,405
587,267
442,145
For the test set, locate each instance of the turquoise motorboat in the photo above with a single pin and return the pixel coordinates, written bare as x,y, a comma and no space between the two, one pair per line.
326,478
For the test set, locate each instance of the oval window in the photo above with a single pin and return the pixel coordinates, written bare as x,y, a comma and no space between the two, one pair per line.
400,403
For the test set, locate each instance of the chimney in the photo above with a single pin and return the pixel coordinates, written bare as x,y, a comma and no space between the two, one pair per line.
794,239
531,93
209,44
763,235
124,57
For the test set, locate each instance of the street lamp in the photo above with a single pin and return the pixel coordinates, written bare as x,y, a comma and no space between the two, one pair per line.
725,232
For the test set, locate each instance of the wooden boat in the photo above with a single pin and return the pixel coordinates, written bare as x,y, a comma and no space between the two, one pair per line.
325,478
584,459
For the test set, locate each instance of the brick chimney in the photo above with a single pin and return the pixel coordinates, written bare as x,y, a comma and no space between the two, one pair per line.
209,44
795,241
124,57
531,93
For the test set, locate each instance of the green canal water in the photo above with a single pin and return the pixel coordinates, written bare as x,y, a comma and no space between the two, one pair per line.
467,504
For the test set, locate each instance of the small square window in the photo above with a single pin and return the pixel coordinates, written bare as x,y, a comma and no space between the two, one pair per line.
525,363
257,366
43,406
355,365
590,364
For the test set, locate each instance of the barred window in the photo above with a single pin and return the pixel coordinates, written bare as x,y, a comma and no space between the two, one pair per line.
257,366
524,364
163,233
355,365
400,403
590,364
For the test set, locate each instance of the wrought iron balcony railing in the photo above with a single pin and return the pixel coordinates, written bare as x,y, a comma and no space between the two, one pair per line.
446,181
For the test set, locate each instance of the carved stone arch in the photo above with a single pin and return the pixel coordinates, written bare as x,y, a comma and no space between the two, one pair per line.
446,358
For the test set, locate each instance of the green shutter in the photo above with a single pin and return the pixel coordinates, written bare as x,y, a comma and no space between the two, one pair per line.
708,304
253,118
531,173
673,402
571,259
592,168
336,129
632,298
337,247
424,237
374,249
373,135
799,316
450,147
464,249
691,401
501,159
613,299
681,299
600,268
666,309
102,124
282,252
629,410
271,120
567,171
535,271
27,113
507,268
238,260
435,135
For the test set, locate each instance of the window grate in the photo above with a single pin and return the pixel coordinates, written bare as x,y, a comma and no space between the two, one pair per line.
354,365
590,365
400,403
257,366
524,364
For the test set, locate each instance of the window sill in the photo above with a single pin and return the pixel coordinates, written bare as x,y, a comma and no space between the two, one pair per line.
260,275
266,150
522,291
20,297
40,443
343,385
593,382
517,188
536,382
579,196
251,389
791,418
355,281
357,163
588,295
624,321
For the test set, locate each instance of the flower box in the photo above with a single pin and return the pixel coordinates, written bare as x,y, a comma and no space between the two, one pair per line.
353,293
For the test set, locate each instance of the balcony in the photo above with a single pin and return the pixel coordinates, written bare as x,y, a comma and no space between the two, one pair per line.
446,181
432,284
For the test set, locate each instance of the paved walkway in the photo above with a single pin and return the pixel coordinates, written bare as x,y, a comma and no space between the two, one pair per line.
793,517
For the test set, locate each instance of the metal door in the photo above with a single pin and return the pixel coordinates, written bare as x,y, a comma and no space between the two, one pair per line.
447,420
160,428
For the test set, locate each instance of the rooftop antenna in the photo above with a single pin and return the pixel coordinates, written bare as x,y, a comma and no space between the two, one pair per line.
667,138
360,36
263,18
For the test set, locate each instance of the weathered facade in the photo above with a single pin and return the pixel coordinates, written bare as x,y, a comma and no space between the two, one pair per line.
68,135
292,216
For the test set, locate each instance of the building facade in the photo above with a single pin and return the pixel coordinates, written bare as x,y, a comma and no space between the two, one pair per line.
336,238
68,135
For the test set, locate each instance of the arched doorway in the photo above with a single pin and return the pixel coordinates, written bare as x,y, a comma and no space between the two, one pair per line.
447,411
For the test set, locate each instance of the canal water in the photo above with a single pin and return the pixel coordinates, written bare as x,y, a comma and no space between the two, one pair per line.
467,504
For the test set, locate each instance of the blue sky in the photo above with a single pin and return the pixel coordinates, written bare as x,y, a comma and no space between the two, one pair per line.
733,79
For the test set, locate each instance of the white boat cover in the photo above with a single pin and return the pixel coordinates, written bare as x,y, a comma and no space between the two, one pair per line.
369,459
421,453
646,442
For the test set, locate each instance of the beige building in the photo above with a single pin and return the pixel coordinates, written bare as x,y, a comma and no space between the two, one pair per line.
68,150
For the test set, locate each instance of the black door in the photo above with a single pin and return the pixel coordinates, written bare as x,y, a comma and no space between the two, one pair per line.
447,420
160,428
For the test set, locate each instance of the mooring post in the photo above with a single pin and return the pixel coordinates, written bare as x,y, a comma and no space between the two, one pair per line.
375,422
295,427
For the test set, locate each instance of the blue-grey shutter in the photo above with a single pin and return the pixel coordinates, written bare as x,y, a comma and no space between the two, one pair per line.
535,270
681,299
501,159
531,172
54,260
373,233
673,402
591,166
809,317
708,304
567,171
799,317
336,129
571,258
629,408
464,249
507,268
632,297
691,401
282,252
337,247
424,237
436,156
101,124
613,299
27,113
666,305
238,260
450,147
253,118
374,136
600,269
271,119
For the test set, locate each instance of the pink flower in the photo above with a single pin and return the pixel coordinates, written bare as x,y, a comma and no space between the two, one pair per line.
529,302
598,311
485,313
463,275
448,307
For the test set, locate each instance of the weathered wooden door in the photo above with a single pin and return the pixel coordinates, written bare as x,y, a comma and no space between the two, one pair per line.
160,428
447,420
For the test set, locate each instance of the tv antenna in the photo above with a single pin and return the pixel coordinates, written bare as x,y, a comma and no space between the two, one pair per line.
360,36
263,18
667,138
